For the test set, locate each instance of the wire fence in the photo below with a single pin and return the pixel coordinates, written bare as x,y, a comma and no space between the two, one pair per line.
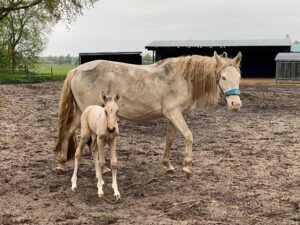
38,74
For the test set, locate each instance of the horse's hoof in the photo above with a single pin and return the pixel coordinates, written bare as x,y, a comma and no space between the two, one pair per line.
118,197
168,167
187,173
105,170
60,170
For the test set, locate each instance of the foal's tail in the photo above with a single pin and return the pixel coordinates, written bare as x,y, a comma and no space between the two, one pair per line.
64,152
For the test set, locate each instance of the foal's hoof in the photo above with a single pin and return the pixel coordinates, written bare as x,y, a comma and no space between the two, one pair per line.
73,188
60,170
118,197
101,195
187,172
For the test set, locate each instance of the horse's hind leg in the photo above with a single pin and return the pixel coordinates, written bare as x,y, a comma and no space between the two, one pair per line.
171,131
177,119
65,146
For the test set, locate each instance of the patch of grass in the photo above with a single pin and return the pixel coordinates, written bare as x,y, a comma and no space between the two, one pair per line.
42,72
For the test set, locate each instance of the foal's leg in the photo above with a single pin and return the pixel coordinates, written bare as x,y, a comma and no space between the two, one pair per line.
62,157
177,119
113,164
171,131
85,136
99,165
92,148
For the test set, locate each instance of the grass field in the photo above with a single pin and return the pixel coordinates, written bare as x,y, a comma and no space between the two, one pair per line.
42,72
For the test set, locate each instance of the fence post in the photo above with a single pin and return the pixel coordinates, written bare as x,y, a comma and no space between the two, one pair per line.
27,74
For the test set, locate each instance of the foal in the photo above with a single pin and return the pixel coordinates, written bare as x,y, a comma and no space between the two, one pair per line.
99,124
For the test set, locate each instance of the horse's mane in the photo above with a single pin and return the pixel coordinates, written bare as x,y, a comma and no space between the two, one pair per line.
202,73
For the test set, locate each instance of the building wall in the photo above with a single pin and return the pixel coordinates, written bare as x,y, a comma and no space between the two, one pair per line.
257,62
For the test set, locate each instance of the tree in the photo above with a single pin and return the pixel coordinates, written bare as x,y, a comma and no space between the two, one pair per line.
60,9
68,59
61,60
23,36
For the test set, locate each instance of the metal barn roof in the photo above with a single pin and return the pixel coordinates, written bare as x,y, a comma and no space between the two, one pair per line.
220,43
288,57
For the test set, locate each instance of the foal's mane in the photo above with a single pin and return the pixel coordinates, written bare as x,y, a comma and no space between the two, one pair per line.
202,73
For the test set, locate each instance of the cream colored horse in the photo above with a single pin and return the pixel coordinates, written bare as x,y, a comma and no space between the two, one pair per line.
170,88
99,125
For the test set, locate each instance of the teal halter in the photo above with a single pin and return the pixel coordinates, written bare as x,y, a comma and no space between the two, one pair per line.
230,92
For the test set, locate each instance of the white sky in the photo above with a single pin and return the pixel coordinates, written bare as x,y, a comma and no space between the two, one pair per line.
129,25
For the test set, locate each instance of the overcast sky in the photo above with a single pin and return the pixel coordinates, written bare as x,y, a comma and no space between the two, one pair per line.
129,25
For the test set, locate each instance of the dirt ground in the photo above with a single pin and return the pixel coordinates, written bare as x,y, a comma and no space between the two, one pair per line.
246,166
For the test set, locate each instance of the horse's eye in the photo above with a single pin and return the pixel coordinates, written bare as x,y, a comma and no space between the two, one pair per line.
223,78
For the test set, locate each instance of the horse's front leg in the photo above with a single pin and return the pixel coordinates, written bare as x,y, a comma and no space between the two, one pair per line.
113,164
178,121
171,131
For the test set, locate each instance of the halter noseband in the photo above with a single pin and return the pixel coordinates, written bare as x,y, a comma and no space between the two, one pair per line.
234,91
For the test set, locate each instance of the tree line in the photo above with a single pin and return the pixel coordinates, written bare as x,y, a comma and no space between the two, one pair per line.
60,60
25,26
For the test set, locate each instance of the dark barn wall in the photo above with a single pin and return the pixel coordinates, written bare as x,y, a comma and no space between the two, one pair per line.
257,62
125,58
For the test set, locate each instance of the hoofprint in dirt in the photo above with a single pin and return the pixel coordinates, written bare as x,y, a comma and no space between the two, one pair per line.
246,166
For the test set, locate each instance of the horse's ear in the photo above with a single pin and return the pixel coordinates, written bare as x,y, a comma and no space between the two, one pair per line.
117,97
218,59
238,59
103,96
224,54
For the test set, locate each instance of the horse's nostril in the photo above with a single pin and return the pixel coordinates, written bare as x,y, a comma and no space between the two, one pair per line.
232,103
111,130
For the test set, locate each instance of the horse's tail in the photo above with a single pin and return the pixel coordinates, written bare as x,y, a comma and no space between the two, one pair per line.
66,113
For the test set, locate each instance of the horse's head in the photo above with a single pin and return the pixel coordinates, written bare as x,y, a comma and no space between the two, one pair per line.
111,110
229,75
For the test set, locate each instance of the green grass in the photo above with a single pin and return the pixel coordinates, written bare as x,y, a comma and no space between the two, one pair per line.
41,73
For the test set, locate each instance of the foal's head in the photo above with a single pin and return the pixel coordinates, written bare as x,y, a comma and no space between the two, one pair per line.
111,110
229,79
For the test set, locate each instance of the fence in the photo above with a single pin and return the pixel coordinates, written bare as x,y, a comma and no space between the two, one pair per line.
42,72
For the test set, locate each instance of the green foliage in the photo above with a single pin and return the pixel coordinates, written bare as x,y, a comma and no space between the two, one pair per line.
147,59
23,36
59,9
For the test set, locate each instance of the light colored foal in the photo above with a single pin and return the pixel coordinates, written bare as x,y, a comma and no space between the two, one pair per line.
99,124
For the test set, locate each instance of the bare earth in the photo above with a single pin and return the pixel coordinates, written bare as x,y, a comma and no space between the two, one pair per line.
246,167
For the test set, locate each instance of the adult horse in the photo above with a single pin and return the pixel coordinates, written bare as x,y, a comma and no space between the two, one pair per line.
170,88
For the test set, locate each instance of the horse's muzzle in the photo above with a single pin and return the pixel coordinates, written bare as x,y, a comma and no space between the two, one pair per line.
111,130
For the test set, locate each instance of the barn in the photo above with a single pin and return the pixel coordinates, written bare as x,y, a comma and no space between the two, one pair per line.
258,55
125,57
288,67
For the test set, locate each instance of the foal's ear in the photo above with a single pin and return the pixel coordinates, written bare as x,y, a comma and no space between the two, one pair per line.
218,59
103,96
224,54
238,59
117,97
